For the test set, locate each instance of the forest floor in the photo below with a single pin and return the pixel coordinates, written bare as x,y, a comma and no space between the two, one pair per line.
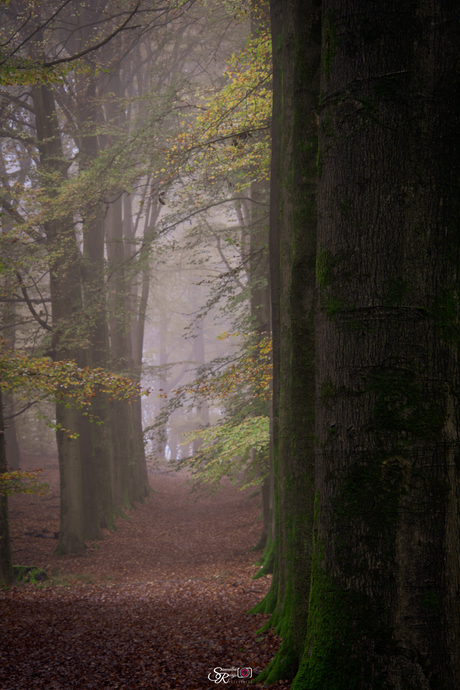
158,604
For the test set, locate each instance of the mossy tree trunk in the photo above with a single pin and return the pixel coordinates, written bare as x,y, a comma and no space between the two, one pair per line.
384,609
296,40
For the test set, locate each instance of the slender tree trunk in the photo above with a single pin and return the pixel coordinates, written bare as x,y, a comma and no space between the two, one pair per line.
137,337
162,434
127,437
384,608
269,563
6,563
120,413
13,455
9,317
260,311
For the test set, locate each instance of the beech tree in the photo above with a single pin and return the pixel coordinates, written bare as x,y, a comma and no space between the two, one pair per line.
296,57
383,599
70,387
6,563
89,155
76,282
386,561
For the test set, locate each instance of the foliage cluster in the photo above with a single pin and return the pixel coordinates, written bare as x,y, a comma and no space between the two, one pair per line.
238,446
234,450
22,482
62,381
248,375
229,137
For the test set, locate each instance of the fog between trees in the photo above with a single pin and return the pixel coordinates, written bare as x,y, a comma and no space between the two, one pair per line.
123,250
135,199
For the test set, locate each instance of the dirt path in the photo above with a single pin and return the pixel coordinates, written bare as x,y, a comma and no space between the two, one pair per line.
158,604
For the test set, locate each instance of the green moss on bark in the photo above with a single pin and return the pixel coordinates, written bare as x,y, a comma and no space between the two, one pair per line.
340,653
406,403
283,666
325,264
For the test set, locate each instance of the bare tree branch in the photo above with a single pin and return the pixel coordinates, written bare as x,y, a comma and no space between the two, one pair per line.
26,407
82,53
37,318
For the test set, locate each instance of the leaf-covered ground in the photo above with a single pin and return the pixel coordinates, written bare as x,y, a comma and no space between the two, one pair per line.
159,603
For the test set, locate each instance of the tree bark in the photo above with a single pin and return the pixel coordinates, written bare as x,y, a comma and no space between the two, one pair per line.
65,289
6,563
131,482
384,607
121,361
296,41
292,252
13,455
9,317
268,563
97,462
260,315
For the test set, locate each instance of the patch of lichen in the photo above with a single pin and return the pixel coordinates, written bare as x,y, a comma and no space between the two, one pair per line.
332,273
332,306
325,264
405,404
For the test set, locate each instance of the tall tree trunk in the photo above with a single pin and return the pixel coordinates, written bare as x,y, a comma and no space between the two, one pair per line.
9,317
97,463
137,332
269,563
13,455
66,305
260,315
6,563
384,609
127,437
293,239
120,413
